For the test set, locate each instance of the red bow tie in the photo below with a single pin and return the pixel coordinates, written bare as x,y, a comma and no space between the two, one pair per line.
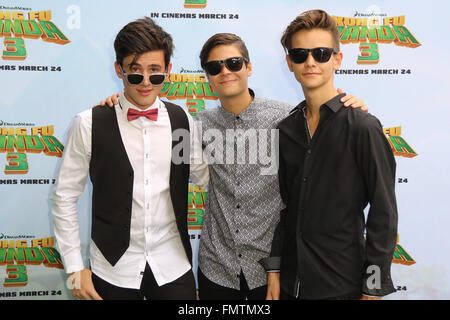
151,114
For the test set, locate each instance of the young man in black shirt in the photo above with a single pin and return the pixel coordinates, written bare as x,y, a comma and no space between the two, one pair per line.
333,162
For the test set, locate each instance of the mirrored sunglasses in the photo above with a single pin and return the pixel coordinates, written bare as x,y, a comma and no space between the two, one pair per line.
155,79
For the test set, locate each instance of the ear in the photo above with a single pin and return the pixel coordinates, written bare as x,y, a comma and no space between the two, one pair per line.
211,83
249,69
337,60
289,63
169,68
117,69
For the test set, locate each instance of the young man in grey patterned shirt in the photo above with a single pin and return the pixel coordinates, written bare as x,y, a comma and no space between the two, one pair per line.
240,146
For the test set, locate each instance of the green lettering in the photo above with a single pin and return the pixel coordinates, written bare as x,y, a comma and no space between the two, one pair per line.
385,34
51,33
177,91
14,27
33,144
404,37
401,147
350,34
52,258
17,276
31,29
15,254
53,147
368,33
402,257
33,256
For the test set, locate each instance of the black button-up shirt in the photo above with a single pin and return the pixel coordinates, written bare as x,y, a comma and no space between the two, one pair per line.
326,181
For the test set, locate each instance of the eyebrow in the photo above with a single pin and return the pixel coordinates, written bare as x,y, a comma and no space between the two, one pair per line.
132,64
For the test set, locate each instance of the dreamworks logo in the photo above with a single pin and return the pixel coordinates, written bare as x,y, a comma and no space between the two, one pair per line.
8,237
371,11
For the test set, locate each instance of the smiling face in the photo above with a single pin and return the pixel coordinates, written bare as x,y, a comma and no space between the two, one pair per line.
228,84
311,74
144,94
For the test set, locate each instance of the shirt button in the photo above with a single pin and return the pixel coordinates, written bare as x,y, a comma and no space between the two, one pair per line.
305,179
309,151
240,255
238,206
237,231
237,117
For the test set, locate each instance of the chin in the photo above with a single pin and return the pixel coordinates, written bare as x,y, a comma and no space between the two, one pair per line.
144,103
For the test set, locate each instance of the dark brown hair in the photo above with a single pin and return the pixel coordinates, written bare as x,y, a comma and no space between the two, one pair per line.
222,39
141,36
312,19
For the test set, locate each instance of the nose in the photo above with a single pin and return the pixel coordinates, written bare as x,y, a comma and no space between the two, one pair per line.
224,69
146,81
310,61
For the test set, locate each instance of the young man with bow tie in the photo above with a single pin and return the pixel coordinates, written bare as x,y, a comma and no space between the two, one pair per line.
140,244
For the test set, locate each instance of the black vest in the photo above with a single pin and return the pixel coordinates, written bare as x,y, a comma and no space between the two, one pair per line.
112,180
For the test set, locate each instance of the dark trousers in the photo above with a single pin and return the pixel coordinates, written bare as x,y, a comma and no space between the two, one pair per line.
209,290
182,288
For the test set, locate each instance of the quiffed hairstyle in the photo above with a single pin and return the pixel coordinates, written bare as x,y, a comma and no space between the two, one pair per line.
141,36
312,19
222,39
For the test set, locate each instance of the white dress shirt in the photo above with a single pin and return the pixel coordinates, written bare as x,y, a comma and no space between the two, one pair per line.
154,236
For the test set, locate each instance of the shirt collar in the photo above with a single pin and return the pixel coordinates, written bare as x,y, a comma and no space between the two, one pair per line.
248,112
333,104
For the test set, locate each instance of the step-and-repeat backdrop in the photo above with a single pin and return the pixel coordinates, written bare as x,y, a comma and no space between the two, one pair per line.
57,60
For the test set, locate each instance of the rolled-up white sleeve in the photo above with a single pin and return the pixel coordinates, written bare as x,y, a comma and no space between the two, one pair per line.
70,184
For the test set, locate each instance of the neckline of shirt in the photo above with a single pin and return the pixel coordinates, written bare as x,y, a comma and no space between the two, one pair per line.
334,104
125,104
247,111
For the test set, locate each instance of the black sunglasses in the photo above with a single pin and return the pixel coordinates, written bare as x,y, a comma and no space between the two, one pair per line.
233,64
321,55
155,79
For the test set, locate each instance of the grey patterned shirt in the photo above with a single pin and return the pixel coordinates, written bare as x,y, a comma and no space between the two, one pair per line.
243,205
